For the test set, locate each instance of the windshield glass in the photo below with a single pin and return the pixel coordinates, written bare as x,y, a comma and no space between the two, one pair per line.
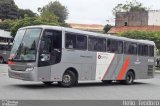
25,45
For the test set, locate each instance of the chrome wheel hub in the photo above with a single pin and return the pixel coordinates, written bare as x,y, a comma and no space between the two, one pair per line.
66,78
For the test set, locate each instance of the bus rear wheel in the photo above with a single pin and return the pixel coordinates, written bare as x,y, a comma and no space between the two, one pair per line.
1,60
129,79
68,79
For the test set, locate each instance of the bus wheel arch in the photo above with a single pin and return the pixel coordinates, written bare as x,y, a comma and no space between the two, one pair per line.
69,78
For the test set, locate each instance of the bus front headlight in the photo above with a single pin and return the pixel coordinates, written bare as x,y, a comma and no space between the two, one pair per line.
30,69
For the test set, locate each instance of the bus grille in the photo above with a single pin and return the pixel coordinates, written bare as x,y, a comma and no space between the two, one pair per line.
150,70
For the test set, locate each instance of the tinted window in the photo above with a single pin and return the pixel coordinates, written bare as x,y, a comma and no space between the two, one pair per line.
76,41
143,50
81,42
130,48
96,44
114,46
70,41
151,50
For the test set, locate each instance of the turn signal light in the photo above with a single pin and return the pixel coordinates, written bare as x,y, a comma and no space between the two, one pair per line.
11,62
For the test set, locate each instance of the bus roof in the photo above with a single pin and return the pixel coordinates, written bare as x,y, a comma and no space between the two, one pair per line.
91,33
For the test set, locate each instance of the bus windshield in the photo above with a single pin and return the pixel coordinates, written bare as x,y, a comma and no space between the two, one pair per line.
25,45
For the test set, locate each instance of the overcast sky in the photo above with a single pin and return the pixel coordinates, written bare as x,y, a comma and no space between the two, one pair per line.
86,11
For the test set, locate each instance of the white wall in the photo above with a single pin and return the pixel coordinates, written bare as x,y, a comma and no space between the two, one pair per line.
154,17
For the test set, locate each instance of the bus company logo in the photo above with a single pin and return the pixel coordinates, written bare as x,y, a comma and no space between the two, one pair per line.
102,57
99,57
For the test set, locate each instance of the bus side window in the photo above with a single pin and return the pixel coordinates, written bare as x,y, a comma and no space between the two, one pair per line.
130,48
114,46
101,45
70,42
142,50
120,47
151,51
81,42
91,43
96,44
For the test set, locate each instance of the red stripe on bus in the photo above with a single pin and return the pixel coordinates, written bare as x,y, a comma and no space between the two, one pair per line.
124,69
108,67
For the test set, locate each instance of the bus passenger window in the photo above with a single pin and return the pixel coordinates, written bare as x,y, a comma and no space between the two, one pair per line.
81,42
70,41
96,44
143,50
130,48
114,46
101,45
120,47
151,51
91,43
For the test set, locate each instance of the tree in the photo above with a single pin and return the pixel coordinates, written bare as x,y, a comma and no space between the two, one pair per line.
107,28
147,35
29,21
129,6
8,9
49,17
23,12
56,8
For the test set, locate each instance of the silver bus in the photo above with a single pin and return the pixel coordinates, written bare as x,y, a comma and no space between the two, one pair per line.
5,46
64,55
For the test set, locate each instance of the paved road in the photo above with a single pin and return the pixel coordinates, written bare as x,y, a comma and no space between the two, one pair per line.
17,89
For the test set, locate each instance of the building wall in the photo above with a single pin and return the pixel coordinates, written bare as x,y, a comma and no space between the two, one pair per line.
131,18
121,18
154,17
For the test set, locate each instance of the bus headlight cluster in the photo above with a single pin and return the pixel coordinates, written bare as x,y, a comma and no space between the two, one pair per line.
30,69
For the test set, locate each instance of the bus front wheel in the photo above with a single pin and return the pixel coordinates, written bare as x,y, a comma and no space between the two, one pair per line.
68,79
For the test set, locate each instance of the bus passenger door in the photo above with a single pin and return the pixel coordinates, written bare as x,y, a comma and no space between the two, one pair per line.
44,67
50,53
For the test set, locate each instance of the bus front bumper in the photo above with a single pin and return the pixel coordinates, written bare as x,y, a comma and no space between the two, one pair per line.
23,75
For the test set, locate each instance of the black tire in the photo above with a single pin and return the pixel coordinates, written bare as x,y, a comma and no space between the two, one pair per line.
107,81
129,79
68,80
47,83
1,60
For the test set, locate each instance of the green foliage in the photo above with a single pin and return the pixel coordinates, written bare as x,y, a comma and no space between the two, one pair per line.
47,16
52,14
153,36
107,28
8,9
29,21
23,12
5,25
56,8
129,6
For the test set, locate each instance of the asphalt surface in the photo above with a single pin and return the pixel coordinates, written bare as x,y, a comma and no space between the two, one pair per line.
23,90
